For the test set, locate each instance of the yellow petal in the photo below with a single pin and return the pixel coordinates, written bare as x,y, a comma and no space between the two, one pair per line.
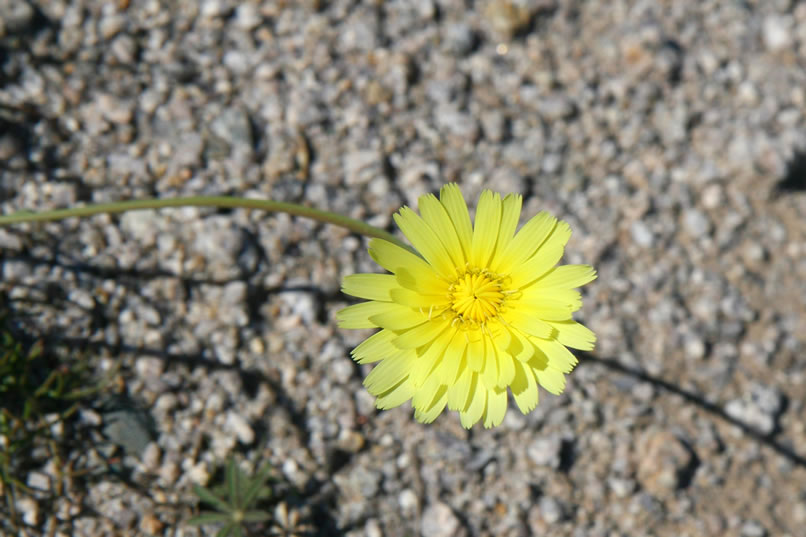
389,372
544,258
426,364
437,218
485,228
421,335
430,413
369,286
525,243
422,282
519,319
375,348
416,300
546,310
425,395
524,388
510,215
574,335
506,369
398,318
478,403
556,354
452,359
425,241
496,407
567,276
395,396
451,198
536,295
489,373
392,257
475,352
459,391
552,380
358,315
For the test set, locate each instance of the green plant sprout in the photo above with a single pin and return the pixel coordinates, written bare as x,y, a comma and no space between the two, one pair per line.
37,391
235,500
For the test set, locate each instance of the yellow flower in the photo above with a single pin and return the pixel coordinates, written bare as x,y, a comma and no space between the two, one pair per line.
484,309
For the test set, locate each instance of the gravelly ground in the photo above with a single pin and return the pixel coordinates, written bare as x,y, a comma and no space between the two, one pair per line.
669,134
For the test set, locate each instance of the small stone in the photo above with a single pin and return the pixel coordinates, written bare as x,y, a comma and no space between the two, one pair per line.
694,348
506,18
29,509
232,127
110,25
440,521
758,408
115,110
752,528
696,223
545,451
459,38
150,524
776,32
621,487
408,502
551,510
641,234
247,16
15,16
372,528
241,428
663,460
38,480
350,441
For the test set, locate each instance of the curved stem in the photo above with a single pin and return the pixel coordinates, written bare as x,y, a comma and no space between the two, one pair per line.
230,202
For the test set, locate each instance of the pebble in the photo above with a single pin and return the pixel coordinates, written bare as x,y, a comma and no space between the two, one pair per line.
545,451
641,234
439,521
776,32
238,425
662,461
759,408
696,223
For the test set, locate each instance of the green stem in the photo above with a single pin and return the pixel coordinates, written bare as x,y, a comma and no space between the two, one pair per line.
230,202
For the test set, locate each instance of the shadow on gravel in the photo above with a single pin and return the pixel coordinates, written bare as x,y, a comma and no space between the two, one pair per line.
698,401
794,180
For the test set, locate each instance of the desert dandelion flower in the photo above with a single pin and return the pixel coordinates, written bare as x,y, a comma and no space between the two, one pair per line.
481,310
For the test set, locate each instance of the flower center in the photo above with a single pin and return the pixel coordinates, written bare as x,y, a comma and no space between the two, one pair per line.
476,296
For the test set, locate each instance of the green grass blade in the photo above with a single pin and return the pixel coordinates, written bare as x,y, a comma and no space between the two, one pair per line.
210,518
256,485
233,482
226,530
208,497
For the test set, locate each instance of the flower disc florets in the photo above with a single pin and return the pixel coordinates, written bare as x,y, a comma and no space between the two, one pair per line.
475,297
478,311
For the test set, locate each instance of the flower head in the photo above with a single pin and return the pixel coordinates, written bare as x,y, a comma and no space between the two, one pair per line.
481,310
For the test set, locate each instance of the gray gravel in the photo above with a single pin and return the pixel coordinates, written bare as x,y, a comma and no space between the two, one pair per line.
660,130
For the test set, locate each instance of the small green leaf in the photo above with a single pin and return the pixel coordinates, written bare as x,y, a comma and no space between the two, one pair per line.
210,518
226,530
233,482
212,499
256,486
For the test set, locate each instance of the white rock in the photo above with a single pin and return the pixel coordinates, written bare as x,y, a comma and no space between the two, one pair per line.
641,234
241,428
776,32
439,521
